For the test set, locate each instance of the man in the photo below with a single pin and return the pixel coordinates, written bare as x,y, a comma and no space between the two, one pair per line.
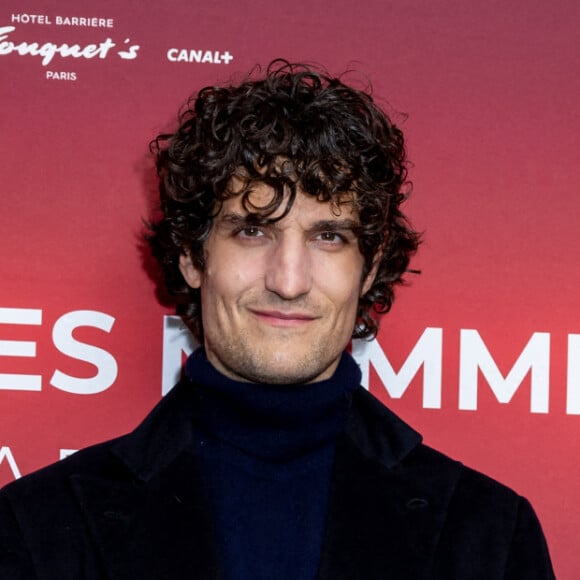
281,238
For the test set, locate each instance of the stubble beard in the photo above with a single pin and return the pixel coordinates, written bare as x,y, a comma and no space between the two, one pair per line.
248,362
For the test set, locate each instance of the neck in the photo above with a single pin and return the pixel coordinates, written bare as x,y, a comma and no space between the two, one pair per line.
274,422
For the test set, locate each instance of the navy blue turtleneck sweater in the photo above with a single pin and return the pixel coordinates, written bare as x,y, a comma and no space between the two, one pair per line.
266,454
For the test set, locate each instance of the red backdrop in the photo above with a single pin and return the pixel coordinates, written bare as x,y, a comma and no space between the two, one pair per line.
481,352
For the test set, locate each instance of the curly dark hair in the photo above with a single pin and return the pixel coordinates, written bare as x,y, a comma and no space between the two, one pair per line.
294,128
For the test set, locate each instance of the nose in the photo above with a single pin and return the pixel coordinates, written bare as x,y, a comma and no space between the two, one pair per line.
289,268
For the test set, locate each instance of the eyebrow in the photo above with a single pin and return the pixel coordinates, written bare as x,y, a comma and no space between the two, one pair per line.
336,225
237,219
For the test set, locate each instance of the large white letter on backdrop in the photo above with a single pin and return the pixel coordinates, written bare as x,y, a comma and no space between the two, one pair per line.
535,358
427,353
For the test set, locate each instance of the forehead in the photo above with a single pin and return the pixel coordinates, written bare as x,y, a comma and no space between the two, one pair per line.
260,198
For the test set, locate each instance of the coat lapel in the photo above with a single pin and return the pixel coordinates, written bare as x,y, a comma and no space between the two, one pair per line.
388,500
148,515
157,530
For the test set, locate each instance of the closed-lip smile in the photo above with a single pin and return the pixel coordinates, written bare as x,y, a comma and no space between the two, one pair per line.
281,318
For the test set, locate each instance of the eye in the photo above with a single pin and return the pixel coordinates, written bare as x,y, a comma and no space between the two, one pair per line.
249,232
331,237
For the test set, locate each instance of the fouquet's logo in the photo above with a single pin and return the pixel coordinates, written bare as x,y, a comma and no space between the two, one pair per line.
48,51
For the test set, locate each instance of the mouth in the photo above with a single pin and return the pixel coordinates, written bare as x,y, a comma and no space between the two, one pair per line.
284,319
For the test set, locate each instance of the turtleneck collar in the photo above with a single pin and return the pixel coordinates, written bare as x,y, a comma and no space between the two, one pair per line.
272,422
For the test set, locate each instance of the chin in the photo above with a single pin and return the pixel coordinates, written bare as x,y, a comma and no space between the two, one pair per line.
282,365
288,373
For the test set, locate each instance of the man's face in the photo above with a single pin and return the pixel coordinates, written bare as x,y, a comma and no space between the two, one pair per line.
279,301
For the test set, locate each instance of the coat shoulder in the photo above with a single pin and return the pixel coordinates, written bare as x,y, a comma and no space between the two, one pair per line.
43,484
469,481
41,524
485,529
384,436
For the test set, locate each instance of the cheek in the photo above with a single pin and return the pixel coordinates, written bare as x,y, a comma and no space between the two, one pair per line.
340,283
227,285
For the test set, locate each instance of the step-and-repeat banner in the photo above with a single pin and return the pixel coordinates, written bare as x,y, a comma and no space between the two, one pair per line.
481,352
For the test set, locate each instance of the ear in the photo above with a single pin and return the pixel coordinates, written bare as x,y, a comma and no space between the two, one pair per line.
370,277
189,271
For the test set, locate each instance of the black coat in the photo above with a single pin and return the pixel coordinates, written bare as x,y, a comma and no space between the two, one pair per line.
133,509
